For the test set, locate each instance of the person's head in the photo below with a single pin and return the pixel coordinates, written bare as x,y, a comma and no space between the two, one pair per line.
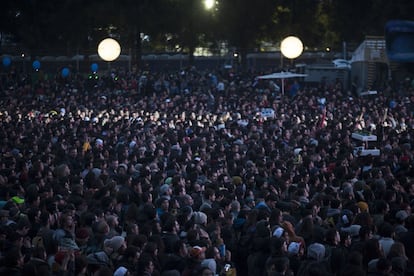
381,207
23,226
210,194
132,228
145,264
346,238
115,244
372,250
271,200
212,252
314,206
66,221
187,200
171,225
121,271
163,203
363,207
276,216
316,251
335,203
263,229
151,248
365,232
131,254
390,196
332,236
397,250
386,229
101,228
277,265
4,216
200,218
165,190
281,265
235,206
296,249
180,248
401,216
197,253
112,221
363,219
82,236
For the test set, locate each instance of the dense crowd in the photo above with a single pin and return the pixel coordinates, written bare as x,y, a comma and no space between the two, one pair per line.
183,173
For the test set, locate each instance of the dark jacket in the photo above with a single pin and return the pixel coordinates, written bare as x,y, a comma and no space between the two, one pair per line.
36,267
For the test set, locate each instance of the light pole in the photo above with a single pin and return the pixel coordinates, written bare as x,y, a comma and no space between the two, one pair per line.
291,47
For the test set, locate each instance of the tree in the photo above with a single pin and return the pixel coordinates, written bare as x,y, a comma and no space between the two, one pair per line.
191,24
353,19
246,23
71,26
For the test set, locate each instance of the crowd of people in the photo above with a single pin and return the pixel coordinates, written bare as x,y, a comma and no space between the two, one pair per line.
181,173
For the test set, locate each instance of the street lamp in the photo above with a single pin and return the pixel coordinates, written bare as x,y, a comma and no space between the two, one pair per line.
109,49
291,47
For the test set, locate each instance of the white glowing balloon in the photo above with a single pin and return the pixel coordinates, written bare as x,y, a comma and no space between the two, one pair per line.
291,47
209,4
109,49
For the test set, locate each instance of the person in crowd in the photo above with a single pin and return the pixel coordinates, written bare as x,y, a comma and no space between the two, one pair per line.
89,162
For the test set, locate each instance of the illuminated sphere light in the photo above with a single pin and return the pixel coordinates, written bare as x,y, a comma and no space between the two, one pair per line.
109,49
209,4
291,47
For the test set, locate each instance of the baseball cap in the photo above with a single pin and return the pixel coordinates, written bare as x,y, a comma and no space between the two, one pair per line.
196,251
294,247
278,232
18,200
316,251
401,215
121,271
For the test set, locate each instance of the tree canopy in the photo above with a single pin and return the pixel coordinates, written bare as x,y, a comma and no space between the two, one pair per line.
72,26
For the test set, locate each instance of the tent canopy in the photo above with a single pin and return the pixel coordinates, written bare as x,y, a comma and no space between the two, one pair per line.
282,76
